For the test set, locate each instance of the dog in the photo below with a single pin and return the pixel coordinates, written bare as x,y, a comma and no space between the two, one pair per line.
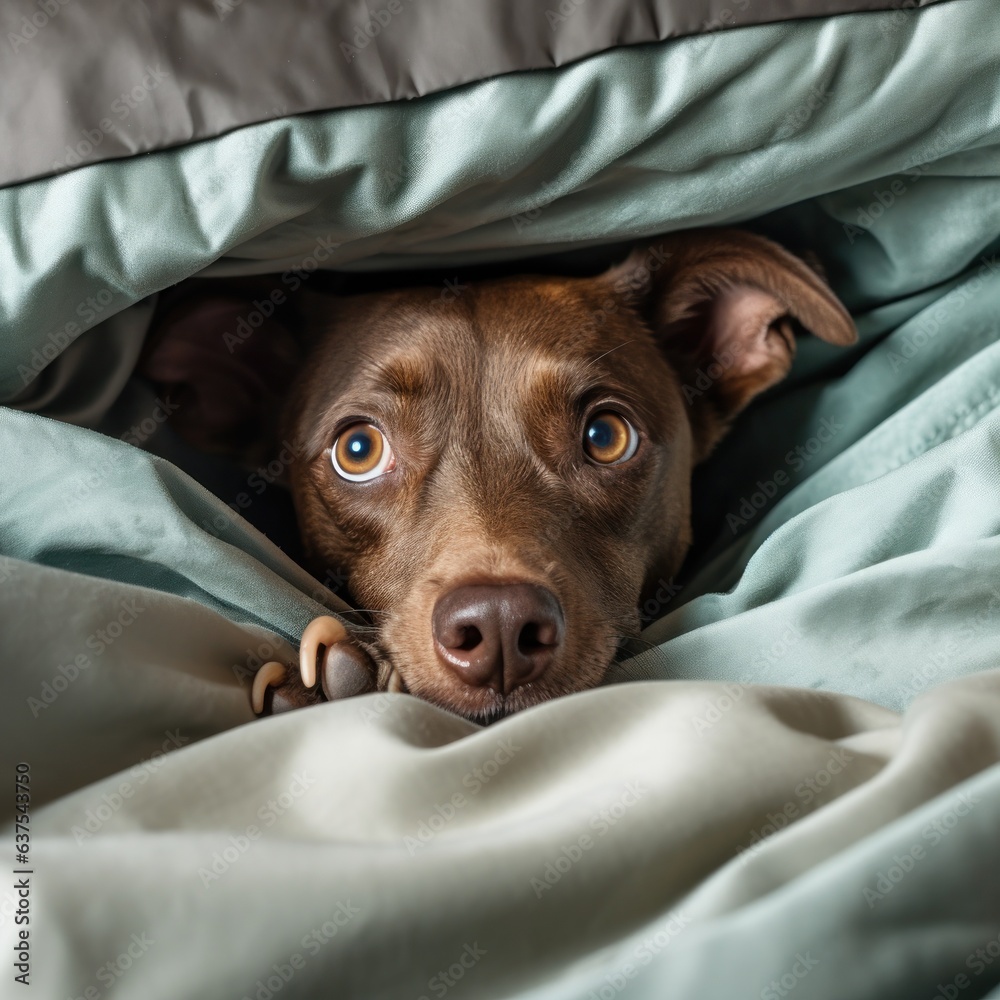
502,472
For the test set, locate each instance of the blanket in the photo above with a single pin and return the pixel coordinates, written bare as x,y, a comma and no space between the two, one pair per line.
790,786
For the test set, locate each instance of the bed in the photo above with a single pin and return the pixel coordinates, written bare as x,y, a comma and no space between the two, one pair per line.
790,787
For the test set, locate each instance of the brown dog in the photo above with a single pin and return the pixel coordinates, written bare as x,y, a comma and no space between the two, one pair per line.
502,472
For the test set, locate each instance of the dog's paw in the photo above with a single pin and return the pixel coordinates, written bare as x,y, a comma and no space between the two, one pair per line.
326,655
346,671
277,688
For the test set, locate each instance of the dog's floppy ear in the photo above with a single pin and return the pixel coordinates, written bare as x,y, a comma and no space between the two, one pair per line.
723,305
225,356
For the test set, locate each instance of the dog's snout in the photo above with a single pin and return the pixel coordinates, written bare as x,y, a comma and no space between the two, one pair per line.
498,635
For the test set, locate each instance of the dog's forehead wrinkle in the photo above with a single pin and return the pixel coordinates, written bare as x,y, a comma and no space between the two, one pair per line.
564,382
485,489
404,374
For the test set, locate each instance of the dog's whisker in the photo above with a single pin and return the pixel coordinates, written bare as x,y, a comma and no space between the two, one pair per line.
594,361
627,640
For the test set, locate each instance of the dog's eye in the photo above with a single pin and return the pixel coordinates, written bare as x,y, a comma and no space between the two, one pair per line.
609,438
361,453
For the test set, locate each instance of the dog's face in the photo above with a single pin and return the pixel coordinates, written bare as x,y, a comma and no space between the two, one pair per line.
501,473
498,475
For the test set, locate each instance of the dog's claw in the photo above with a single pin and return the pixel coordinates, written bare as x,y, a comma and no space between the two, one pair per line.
322,631
284,693
347,671
270,675
395,683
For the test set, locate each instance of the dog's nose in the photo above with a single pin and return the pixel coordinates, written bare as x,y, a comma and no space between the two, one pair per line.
498,635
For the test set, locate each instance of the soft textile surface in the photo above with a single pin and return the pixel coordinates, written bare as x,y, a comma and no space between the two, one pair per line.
717,837
177,71
636,141
582,845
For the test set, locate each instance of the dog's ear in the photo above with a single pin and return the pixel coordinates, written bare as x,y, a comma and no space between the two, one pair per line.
224,354
724,305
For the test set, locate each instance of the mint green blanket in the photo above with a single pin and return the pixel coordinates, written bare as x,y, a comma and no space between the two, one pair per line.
769,826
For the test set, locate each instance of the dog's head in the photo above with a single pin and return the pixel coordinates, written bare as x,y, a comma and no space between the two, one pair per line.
503,469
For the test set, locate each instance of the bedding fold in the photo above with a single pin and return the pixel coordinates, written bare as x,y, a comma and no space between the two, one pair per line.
765,825
622,145
183,71
798,790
